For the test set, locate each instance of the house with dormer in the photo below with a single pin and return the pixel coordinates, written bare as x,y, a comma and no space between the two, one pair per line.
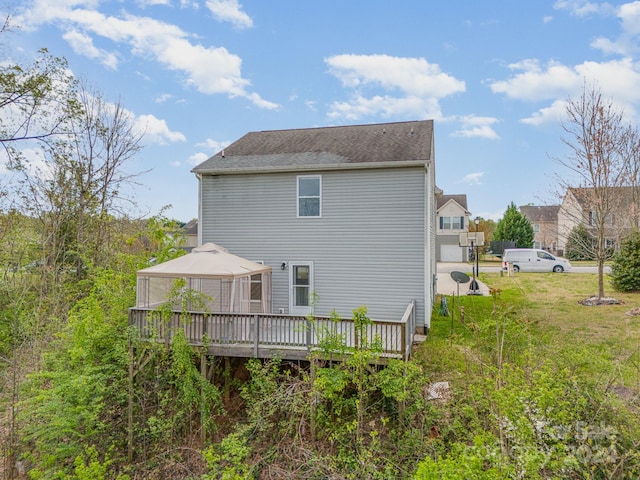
452,219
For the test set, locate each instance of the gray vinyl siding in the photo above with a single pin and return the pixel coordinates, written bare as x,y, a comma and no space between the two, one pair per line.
368,248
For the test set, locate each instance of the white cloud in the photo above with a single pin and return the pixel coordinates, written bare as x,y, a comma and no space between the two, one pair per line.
83,45
555,113
156,130
387,106
554,82
583,8
473,126
229,11
473,178
627,42
197,158
417,84
537,82
152,3
629,13
210,70
411,75
163,98
214,146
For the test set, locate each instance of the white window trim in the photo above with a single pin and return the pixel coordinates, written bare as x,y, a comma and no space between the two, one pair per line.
319,177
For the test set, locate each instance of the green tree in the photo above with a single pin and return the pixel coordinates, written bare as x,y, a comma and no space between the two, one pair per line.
625,269
35,100
580,245
514,227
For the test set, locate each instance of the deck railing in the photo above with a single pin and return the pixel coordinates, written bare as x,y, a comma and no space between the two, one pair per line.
272,335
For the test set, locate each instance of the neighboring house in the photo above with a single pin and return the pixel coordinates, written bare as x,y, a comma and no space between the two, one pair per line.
544,220
345,216
452,220
578,208
190,235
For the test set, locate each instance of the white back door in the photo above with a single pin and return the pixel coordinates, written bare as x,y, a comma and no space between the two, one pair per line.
301,287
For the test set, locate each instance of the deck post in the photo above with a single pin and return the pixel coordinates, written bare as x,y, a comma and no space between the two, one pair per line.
203,372
227,381
314,400
256,332
130,404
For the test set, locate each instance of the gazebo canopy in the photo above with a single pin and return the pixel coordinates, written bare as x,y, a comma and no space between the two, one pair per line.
207,261
232,283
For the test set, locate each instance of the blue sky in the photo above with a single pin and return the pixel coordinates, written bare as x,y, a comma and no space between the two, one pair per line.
493,75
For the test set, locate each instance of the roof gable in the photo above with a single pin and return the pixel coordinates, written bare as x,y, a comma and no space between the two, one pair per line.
363,145
460,199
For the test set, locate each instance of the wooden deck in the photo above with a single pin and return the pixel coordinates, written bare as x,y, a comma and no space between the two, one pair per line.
262,335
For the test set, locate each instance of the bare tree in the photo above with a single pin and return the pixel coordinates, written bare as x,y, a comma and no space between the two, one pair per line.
78,185
597,137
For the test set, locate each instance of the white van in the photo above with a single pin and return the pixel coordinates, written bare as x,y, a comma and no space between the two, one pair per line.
533,260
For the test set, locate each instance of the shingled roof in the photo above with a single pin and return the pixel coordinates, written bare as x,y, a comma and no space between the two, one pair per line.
540,213
281,150
460,199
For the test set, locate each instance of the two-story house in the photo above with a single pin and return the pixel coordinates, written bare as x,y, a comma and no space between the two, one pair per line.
344,216
544,220
621,213
452,220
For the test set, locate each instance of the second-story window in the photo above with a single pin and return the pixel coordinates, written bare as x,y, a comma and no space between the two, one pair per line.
309,196
451,223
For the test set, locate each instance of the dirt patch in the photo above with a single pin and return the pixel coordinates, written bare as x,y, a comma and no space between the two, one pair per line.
594,301
633,312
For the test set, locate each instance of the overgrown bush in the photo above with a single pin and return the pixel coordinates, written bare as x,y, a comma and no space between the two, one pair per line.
625,269
580,245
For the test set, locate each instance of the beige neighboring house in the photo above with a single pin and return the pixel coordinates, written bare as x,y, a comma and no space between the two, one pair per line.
191,235
544,220
578,208
452,220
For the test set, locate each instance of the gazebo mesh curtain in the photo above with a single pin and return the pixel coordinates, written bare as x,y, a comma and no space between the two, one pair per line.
250,293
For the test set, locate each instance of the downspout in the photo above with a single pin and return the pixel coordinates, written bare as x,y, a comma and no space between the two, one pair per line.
200,226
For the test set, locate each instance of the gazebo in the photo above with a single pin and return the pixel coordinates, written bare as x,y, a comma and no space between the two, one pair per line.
228,283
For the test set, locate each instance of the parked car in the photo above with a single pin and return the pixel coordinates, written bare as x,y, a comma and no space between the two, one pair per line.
533,260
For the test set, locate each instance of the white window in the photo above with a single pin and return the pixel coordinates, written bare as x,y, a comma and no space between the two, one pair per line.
536,227
451,223
309,196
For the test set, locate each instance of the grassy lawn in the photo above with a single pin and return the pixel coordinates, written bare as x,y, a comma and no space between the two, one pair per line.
543,311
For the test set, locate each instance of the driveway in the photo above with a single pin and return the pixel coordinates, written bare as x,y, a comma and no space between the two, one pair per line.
448,286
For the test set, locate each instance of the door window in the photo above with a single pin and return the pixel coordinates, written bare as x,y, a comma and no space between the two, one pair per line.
301,287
